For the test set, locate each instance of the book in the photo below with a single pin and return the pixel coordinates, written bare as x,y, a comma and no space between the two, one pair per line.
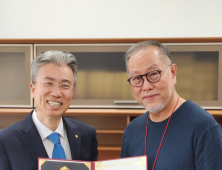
130,163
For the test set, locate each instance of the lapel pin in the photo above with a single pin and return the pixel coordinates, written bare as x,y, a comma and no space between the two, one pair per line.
76,136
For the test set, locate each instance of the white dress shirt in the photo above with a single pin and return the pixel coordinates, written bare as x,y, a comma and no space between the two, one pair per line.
44,132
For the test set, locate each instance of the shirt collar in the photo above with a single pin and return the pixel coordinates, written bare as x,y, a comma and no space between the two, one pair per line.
44,132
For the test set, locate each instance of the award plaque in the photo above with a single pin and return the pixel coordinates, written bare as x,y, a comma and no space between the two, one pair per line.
130,163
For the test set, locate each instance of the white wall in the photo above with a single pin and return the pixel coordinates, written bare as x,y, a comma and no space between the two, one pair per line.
110,18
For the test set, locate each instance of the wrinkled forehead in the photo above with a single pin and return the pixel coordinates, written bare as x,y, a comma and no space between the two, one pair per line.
55,71
152,52
142,55
144,62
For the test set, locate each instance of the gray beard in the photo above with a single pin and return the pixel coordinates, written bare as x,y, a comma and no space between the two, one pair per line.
160,106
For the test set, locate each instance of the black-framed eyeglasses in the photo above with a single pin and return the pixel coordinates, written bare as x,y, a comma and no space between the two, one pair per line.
152,77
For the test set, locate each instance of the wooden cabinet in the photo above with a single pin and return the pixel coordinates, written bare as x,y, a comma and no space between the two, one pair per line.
102,73
199,72
15,65
102,78
199,80
109,124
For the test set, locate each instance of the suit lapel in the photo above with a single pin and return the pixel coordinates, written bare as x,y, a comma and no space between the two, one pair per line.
32,139
74,138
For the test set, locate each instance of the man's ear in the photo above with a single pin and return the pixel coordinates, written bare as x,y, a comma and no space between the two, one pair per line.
74,87
174,73
32,86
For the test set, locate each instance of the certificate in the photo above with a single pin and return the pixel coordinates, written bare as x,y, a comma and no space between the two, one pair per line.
130,163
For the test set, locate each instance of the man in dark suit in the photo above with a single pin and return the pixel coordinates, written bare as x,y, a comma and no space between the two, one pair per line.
54,76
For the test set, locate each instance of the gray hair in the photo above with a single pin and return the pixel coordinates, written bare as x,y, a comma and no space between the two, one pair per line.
57,58
165,54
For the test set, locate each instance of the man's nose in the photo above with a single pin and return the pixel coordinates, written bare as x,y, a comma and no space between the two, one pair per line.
56,90
146,84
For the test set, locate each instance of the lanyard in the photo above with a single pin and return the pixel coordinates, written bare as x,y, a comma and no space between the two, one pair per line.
163,134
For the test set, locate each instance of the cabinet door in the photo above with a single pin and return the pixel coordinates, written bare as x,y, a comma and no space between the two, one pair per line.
102,78
15,61
199,73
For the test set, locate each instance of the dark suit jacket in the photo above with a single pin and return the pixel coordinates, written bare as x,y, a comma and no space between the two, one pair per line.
21,144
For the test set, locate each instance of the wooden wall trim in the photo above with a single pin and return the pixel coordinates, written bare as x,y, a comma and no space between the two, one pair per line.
94,112
80,112
110,40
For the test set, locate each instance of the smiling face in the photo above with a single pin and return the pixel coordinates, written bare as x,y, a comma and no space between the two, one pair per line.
52,102
153,96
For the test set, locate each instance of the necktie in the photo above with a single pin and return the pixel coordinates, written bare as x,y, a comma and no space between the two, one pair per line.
58,151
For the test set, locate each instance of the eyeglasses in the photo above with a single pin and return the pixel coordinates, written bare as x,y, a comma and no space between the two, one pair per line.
62,87
152,77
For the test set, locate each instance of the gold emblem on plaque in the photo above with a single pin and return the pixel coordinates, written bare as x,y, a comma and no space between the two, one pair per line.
76,136
88,165
42,161
64,168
